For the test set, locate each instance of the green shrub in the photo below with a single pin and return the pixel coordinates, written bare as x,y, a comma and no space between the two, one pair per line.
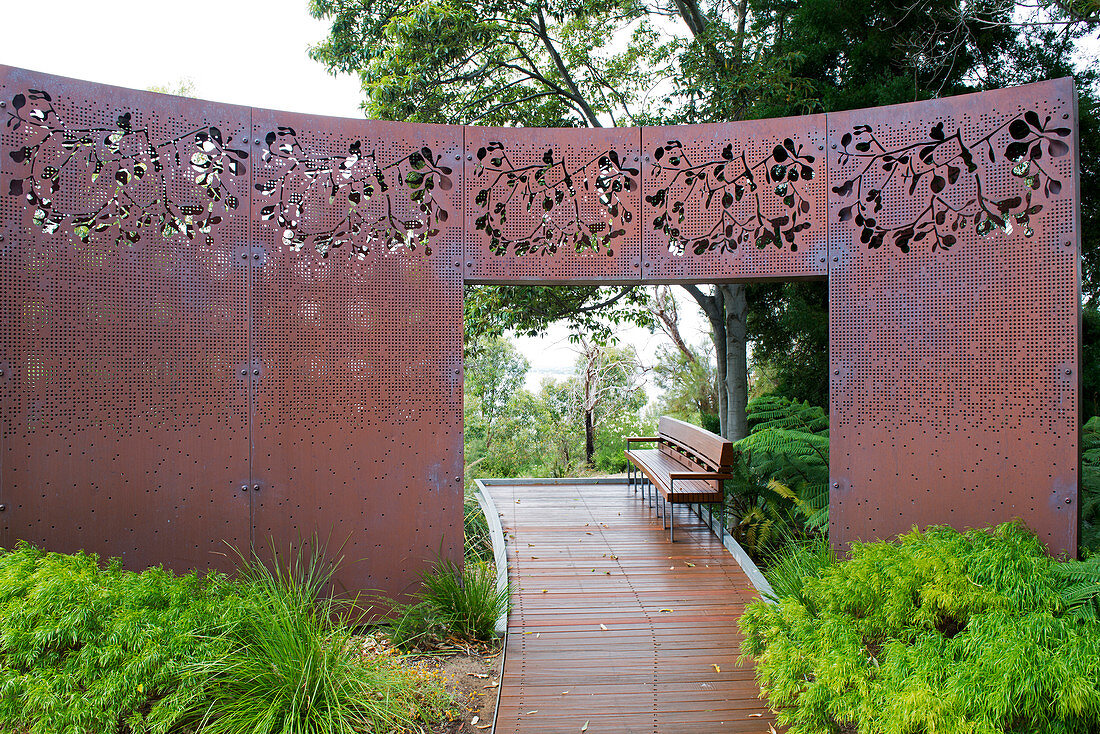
1090,485
85,649
463,602
941,632
294,666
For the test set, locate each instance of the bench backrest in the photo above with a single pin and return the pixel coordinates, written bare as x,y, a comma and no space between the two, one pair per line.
705,447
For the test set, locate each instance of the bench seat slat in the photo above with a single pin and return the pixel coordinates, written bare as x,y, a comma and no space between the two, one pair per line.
658,465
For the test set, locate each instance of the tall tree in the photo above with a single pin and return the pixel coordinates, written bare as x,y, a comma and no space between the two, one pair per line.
609,62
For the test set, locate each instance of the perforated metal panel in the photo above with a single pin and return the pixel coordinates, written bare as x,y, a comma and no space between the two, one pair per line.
734,201
123,321
198,347
954,392
552,205
357,415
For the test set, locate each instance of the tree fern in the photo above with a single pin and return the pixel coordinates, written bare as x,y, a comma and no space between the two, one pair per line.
781,480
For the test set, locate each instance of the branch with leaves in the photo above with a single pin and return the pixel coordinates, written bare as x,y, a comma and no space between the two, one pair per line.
307,179
941,161
551,192
124,173
727,181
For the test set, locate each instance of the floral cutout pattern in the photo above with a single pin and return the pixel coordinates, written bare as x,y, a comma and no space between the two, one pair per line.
730,184
125,174
551,192
308,182
930,168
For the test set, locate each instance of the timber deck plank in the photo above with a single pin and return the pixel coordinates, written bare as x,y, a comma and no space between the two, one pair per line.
585,555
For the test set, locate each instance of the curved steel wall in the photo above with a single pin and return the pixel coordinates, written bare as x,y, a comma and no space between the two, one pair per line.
221,324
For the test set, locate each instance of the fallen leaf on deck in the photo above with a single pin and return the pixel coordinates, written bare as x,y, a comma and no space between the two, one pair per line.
479,675
755,715
585,727
603,627
690,563
716,668
666,610
475,719
531,712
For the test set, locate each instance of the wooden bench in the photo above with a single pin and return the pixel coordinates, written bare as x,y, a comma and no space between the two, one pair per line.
686,465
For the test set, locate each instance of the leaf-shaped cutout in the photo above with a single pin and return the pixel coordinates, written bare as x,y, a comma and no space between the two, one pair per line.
846,139
1019,129
547,157
1032,118
937,184
18,101
1054,186
1057,148
15,187
779,153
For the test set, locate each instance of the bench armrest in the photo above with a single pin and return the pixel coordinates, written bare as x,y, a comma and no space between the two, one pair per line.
698,475
643,439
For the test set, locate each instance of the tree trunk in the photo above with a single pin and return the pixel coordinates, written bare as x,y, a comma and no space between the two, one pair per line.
589,439
736,310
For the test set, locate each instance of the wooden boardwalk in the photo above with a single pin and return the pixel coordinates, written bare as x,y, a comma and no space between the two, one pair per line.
613,625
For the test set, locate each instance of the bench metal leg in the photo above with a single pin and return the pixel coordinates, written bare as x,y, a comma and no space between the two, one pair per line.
671,522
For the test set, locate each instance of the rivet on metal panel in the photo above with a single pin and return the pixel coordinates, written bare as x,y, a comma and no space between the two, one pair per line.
836,485
835,258
469,263
635,157
1067,244
255,488
2,238
836,372
821,147
458,157
4,507
244,487
256,256
1065,117
257,141
1069,372
255,372
244,372
1069,501
3,104
1,373
244,255
469,157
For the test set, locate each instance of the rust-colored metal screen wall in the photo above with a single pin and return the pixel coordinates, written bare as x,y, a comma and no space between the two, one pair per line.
357,333
735,201
123,320
954,394
225,325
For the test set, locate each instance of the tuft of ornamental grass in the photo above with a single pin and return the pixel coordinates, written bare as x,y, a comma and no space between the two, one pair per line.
795,563
459,601
294,665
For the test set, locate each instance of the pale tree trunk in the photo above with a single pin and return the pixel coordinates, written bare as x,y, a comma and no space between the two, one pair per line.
737,363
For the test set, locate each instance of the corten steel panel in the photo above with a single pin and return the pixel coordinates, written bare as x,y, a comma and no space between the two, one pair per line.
552,205
357,415
122,321
954,393
734,201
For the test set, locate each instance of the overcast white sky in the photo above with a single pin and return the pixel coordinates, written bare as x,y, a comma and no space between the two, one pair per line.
238,51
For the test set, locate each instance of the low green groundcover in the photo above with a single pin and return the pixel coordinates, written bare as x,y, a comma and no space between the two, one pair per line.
92,650
940,632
